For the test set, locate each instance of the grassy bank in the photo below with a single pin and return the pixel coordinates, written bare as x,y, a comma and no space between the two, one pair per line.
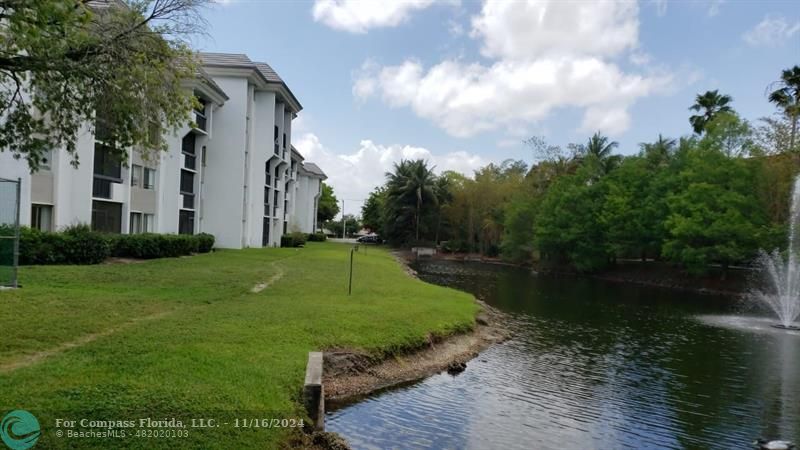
187,337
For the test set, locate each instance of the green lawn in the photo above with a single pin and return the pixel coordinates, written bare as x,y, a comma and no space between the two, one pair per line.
187,338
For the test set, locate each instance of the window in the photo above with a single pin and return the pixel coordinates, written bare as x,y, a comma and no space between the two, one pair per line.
284,140
200,114
186,222
142,223
136,223
42,217
148,223
136,175
101,188
188,148
265,233
149,178
107,164
187,182
188,144
106,216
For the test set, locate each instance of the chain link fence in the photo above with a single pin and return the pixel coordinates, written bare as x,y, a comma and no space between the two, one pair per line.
9,231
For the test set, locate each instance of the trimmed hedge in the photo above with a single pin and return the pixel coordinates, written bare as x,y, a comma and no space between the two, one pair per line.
80,245
317,237
295,239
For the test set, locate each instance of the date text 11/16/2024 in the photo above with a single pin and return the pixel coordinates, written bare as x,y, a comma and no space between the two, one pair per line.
238,422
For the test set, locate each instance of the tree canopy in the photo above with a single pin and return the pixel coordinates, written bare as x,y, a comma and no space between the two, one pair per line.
328,205
66,63
707,199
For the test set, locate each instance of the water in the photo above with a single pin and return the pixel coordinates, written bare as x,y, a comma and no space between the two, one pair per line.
783,276
594,365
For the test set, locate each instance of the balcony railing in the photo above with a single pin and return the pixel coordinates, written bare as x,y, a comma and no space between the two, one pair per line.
200,120
101,188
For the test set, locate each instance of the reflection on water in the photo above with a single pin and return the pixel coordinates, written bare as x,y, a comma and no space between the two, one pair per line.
592,365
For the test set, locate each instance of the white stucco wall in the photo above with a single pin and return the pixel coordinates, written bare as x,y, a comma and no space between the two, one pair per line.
224,172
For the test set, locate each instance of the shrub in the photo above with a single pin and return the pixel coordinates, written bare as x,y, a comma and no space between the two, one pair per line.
205,242
295,239
317,237
80,245
151,245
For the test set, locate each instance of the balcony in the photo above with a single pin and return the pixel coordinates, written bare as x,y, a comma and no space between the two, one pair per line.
101,188
200,120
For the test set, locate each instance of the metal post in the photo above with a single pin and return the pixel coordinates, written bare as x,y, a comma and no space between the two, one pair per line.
16,237
344,223
350,285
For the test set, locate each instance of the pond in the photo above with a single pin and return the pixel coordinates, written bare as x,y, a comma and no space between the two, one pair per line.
593,365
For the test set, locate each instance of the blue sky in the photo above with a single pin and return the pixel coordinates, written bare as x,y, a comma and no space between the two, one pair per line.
462,83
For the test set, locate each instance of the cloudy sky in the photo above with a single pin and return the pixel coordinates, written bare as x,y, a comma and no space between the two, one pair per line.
463,83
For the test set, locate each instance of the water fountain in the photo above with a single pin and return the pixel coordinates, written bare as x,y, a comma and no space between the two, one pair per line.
783,275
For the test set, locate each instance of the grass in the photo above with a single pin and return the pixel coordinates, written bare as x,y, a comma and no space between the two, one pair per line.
186,337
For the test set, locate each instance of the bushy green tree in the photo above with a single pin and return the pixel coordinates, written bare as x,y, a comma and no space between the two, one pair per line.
65,62
372,210
328,206
568,229
714,215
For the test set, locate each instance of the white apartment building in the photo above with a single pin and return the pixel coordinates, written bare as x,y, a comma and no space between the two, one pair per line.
235,175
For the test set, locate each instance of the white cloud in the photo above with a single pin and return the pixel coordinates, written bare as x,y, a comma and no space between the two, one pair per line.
358,16
532,29
714,6
771,32
354,175
548,55
465,99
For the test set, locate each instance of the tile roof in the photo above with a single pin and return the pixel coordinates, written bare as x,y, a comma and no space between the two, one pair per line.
314,169
242,61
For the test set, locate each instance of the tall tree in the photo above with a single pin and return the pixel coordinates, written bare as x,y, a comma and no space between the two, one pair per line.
786,95
372,210
410,188
708,105
328,206
62,60
599,150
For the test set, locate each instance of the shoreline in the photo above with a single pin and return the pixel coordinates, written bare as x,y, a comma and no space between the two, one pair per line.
349,376
736,284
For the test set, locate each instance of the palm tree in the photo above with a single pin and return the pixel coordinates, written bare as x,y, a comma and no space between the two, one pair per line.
787,97
709,105
600,148
411,186
659,151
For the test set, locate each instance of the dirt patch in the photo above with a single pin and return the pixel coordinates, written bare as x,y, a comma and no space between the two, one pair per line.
350,374
35,358
318,440
273,279
116,260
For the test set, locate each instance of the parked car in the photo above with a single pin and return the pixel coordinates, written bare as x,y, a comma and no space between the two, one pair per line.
370,239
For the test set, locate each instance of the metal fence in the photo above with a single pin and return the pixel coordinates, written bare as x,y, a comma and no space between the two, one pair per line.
9,231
